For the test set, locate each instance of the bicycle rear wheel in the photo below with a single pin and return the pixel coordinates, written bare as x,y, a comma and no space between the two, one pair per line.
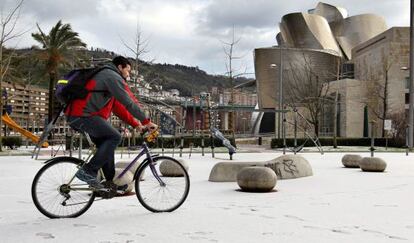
56,193
165,193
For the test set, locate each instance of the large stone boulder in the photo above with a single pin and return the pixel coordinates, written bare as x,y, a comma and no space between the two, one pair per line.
227,171
170,168
351,160
372,164
290,166
126,179
256,179
124,164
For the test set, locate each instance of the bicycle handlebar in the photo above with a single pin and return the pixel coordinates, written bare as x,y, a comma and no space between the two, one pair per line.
149,137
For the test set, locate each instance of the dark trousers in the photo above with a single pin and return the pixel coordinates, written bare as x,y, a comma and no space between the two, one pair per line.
106,138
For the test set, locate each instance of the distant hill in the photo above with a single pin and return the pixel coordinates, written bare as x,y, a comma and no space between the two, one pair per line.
186,79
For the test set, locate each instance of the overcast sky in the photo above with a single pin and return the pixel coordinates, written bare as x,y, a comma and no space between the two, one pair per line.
186,32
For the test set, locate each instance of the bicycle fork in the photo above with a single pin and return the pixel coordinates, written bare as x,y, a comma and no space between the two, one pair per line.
154,171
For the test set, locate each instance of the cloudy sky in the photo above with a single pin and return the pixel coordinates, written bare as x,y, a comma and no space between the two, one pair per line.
187,32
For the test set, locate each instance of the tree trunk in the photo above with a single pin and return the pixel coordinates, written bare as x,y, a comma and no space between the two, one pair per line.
316,128
385,104
335,130
52,79
1,121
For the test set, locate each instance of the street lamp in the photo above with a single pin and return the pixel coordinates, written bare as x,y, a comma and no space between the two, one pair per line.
411,103
244,125
280,66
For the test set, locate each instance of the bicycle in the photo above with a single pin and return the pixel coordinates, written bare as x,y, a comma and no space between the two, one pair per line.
161,184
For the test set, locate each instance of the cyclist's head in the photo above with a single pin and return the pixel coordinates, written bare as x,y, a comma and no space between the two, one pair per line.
123,65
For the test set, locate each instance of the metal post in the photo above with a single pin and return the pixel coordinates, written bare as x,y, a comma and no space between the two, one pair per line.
284,132
202,125
181,145
194,117
162,144
335,130
411,108
280,91
406,141
295,131
80,145
71,144
372,149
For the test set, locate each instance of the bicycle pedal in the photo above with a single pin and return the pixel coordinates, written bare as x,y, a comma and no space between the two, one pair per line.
103,190
123,194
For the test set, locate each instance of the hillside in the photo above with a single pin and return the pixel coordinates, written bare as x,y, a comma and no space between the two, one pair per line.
186,79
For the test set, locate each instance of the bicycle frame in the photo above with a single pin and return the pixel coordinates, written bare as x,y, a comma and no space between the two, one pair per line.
144,150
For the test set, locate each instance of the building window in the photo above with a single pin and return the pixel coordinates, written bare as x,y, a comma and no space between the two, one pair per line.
348,70
407,98
407,83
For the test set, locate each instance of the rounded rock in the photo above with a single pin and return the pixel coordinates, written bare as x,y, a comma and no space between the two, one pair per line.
169,168
124,164
127,178
290,166
256,179
372,164
351,160
227,171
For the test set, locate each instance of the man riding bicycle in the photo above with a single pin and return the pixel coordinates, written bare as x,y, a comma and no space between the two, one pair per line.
91,115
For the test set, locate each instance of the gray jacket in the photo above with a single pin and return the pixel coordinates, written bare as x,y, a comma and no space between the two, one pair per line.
112,88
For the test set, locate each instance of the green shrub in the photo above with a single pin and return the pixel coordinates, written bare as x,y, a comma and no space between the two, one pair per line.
166,142
378,142
12,142
171,142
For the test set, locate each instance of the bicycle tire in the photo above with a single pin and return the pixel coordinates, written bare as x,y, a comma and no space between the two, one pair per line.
172,182
41,178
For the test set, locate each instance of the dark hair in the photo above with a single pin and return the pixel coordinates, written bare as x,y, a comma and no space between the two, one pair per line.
120,60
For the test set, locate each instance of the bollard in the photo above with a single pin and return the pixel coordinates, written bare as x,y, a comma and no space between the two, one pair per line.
80,145
407,148
372,149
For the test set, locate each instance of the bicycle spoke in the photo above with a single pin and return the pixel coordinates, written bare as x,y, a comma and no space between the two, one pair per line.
164,197
52,194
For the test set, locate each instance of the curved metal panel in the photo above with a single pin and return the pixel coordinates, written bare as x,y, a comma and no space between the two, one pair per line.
330,12
267,68
300,30
357,29
279,39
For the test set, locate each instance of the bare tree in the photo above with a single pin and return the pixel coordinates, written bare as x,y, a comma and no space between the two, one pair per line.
231,71
378,89
309,88
399,124
138,48
8,23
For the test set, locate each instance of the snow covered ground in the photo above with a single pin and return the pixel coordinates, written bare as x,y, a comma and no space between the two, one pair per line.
334,205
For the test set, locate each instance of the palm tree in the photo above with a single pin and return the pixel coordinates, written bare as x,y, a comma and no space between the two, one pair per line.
58,48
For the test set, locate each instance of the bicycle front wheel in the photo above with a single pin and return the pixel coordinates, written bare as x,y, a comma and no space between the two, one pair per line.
57,193
162,186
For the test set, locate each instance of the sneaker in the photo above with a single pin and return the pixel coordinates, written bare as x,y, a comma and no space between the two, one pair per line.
122,188
89,179
113,186
113,190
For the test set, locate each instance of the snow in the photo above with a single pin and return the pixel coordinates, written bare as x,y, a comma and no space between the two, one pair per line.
336,204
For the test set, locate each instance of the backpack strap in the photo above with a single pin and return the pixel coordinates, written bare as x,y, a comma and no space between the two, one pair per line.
99,69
